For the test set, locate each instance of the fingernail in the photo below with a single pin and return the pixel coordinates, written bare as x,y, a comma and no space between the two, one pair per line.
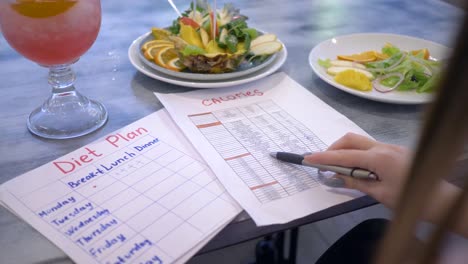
335,182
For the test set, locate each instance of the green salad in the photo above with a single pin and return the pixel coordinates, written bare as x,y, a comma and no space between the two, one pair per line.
391,69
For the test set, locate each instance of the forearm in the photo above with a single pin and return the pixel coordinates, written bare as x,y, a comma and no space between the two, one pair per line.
441,201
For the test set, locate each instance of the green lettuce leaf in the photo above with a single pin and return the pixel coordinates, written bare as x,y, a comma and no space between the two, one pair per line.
192,50
324,63
385,63
429,85
413,80
252,32
390,50
231,43
390,81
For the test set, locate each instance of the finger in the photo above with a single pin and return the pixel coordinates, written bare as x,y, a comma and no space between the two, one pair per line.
353,141
365,186
344,157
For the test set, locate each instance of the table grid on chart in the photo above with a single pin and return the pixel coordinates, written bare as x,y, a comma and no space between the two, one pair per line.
244,137
158,187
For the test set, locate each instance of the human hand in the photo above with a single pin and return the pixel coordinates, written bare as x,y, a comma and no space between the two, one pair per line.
389,162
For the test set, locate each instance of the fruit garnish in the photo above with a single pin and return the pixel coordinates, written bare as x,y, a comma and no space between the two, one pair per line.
367,56
266,48
205,37
200,50
164,55
175,65
42,9
335,70
342,63
189,22
191,36
158,42
381,56
424,52
152,52
160,34
262,39
212,47
354,79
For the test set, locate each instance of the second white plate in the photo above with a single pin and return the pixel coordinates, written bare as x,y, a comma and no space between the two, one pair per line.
357,43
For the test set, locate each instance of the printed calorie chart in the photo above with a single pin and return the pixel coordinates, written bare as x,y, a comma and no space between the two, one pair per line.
244,137
235,129
140,195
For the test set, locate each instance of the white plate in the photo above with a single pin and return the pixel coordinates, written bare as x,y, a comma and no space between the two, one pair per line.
244,69
357,43
133,55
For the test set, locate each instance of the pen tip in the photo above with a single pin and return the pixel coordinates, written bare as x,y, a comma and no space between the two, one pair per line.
273,154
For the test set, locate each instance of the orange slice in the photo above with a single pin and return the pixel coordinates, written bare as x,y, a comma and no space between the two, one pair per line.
152,43
152,51
424,51
175,65
42,9
168,58
354,79
380,56
361,57
165,55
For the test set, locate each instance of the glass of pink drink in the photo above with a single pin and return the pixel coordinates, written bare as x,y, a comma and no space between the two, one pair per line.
54,34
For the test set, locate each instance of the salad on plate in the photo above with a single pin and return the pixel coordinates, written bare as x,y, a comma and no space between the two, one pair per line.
386,70
203,40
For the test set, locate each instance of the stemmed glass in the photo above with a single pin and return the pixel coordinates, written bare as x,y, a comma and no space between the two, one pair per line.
54,34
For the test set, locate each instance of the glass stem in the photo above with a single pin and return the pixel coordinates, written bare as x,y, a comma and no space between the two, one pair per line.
61,78
64,96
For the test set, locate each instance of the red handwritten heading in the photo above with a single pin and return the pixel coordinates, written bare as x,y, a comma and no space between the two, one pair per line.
231,97
68,166
114,140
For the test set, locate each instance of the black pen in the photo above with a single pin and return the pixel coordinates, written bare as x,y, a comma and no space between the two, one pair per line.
299,159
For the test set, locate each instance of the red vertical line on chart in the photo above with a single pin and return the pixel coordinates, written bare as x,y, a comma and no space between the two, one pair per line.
200,114
263,185
238,156
209,125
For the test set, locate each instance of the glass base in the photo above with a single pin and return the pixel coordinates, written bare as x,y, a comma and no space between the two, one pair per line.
67,115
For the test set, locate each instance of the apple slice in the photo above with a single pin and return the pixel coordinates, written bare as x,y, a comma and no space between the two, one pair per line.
204,37
223,35
343,63
266,48
263,39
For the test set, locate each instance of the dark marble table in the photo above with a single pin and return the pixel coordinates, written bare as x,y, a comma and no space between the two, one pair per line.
105,73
